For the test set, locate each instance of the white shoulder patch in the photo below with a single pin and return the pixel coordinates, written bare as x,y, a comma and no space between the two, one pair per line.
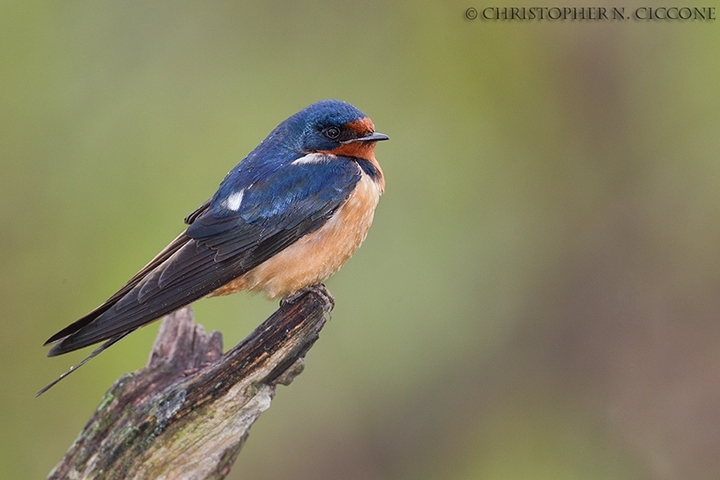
312,158
233,201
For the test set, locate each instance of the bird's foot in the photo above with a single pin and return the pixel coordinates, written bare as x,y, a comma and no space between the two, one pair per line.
318,289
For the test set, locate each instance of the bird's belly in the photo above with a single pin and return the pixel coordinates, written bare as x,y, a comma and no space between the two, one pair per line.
318,255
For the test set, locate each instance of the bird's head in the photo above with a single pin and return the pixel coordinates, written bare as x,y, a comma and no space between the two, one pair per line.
334,127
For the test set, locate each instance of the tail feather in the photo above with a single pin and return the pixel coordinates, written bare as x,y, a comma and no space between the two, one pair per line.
95,353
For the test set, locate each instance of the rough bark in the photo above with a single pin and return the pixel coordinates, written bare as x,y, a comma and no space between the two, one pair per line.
188,412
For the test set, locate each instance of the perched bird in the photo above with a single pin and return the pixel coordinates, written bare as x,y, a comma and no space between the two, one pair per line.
285,218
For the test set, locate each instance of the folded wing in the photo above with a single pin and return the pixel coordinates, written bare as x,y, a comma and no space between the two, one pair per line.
225,239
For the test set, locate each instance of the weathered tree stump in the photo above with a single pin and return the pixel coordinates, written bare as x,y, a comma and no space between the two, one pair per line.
188,412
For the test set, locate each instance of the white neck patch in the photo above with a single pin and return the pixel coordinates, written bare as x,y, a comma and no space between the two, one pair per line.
312,158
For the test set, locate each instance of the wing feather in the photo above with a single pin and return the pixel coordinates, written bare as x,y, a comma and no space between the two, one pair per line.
161,257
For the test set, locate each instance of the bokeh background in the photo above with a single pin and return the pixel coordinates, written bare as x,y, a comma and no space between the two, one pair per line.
538,297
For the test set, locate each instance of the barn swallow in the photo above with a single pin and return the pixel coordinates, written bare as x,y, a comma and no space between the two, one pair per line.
286,218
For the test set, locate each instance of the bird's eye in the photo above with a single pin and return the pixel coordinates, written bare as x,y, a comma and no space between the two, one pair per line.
331,133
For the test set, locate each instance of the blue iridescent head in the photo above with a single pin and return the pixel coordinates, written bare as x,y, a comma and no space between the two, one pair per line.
330,126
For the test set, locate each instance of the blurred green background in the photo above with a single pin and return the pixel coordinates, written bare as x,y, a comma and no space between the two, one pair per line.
538,297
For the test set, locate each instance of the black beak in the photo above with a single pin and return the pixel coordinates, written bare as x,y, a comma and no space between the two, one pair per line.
373,137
